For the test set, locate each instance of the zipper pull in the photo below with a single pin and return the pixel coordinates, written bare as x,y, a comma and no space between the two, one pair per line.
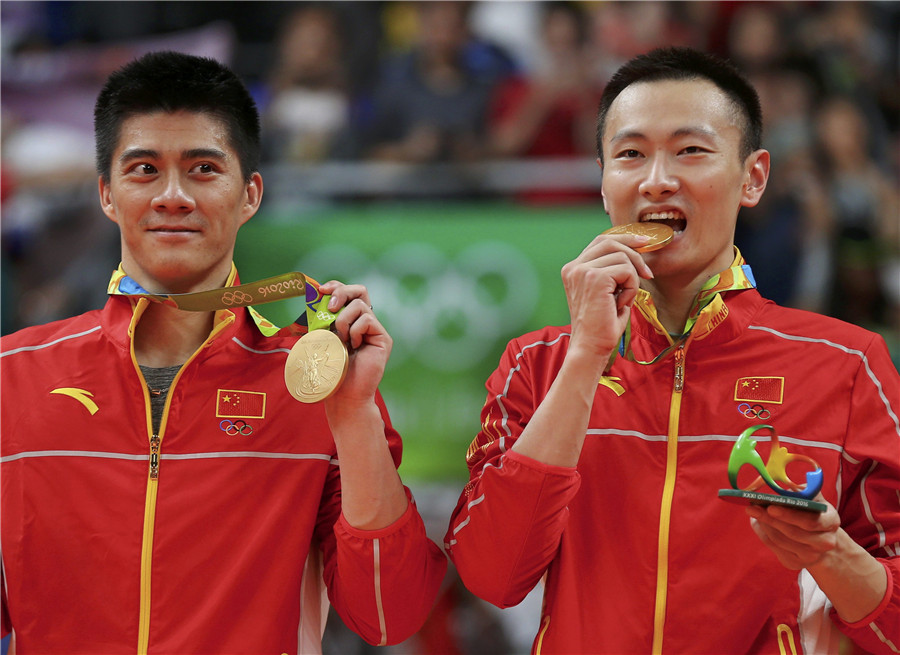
679,368
154,457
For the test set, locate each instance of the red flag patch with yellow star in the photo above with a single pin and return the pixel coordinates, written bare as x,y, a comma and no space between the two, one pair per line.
760,389
231,403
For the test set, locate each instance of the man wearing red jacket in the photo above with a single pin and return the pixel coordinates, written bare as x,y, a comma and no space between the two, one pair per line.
608,491
162,492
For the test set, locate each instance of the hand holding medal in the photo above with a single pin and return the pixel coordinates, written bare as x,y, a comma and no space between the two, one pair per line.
342,327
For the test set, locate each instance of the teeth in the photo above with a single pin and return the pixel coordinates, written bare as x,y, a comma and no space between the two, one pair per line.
661,216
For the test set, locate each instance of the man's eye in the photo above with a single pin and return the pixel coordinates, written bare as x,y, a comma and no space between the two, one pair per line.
629,154
204,169
692,150
144,169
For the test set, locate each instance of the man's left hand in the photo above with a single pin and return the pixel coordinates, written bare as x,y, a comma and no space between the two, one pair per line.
798,538
366,338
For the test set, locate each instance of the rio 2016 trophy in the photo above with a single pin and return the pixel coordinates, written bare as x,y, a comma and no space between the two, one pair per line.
772,473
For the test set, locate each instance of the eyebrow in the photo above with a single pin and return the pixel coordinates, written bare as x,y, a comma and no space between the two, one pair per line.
193,153
682,131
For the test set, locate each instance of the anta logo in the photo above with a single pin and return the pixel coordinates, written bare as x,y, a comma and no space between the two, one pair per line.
82,396
612,383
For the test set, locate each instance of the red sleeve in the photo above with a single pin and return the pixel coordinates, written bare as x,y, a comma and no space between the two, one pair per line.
383,583
870,504
507,525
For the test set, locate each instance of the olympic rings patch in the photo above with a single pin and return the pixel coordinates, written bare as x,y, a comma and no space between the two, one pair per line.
233,428
754,411
236,297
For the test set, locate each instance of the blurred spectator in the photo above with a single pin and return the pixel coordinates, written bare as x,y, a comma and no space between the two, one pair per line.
756,39
550,111
512,24
864,209
308,108
787,235
855,47
620,30
431,102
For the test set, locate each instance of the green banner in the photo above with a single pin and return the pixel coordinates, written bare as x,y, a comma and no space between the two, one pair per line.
452,283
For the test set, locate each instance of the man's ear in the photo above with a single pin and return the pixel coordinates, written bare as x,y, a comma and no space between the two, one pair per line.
253,198
106,200
756,178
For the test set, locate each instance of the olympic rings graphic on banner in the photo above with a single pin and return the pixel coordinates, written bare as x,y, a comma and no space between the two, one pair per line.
236,297
233,428
754,411
449,310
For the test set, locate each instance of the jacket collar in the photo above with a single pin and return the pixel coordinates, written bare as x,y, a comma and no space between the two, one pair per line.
721,311
123,310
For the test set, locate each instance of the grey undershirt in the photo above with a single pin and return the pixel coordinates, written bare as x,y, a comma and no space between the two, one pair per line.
158,382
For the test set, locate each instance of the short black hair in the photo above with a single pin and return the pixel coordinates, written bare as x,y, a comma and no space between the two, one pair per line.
679,63
170,82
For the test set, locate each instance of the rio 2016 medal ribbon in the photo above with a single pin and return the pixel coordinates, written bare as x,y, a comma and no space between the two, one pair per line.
772,473
660,234
316,366
317,363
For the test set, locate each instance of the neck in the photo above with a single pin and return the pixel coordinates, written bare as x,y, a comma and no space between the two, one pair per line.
673,299
165,336
672,305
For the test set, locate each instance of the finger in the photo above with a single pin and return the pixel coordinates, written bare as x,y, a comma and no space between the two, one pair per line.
827,521
343,294
787,559
801,540
604,245
358,324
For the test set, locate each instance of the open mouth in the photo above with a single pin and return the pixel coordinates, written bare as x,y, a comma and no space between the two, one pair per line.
673,219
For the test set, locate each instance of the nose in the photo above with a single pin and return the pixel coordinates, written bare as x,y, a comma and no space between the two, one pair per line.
660,180
173,196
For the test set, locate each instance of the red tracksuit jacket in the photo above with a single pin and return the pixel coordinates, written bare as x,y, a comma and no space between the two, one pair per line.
638,553
210,556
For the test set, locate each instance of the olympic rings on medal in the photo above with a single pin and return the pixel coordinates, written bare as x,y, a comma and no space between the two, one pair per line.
754,411
236,298
233,428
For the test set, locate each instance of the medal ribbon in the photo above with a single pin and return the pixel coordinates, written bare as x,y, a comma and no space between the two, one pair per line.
280,287
707,311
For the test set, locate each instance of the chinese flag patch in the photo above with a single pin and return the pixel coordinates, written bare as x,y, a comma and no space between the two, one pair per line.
240,404
760,389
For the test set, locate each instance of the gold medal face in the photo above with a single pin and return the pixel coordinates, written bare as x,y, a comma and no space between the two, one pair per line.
659,233
316,366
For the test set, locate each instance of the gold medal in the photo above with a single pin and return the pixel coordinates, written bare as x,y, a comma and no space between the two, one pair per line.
316,366
660,234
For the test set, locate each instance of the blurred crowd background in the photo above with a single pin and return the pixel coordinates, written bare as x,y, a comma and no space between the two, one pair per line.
446,150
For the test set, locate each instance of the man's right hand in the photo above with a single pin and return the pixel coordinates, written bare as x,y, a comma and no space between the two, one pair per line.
601,285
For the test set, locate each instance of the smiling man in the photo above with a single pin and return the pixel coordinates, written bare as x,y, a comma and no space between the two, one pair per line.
163,492
604,443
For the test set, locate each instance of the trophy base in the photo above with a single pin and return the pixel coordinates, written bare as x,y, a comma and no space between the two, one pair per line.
741,497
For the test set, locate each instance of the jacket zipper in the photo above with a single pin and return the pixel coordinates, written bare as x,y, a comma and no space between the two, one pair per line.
154,457
665,516
143,644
